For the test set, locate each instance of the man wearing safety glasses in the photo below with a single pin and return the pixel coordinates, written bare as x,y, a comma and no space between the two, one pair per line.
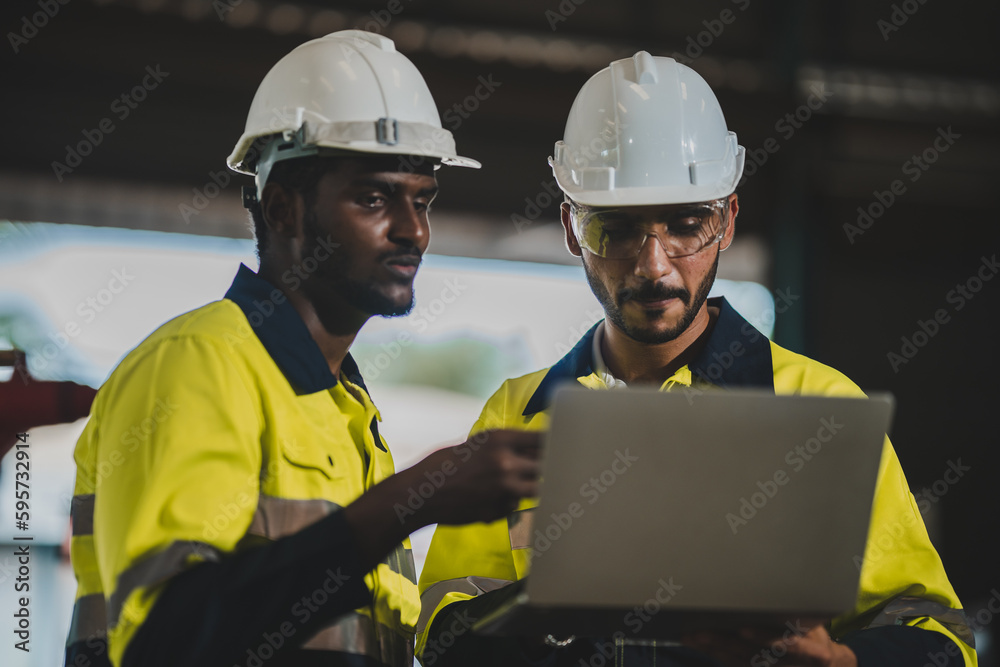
649,170
629,250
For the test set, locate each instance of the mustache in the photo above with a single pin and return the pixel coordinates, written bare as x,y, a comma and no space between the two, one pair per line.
653,292
411,255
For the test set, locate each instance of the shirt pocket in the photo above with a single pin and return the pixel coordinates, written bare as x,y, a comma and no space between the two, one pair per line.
320,470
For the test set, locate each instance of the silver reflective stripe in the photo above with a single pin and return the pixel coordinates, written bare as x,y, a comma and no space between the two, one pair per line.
905,607
396,650
473,586
519,526
156,569
400,561
82,511
89,619
278,517
352,633
358,634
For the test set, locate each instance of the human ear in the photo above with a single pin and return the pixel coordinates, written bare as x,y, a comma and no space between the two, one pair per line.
734,209
567,222
281,209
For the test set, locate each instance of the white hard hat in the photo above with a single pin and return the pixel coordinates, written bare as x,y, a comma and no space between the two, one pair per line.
646,130
350,90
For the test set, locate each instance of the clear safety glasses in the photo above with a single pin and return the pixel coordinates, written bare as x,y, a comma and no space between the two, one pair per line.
682,230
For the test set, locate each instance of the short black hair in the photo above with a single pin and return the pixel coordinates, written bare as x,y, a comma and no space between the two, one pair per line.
300,175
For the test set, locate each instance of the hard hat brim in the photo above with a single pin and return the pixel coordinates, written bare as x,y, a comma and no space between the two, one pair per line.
416,139
644,196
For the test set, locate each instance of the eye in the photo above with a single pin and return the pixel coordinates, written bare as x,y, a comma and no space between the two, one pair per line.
686,225
615,233
374,200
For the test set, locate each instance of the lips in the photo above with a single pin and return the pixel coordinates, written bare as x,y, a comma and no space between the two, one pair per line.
653,296
403,266
655,303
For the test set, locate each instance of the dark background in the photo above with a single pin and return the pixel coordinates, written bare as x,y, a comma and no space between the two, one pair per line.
890,95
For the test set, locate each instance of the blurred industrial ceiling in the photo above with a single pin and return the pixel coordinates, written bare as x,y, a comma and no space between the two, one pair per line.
888,88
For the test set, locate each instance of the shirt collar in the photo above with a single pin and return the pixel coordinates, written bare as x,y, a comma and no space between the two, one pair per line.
285,336
601,368
735,355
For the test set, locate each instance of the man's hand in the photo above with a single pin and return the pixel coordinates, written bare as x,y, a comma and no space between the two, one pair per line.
482,479
757,647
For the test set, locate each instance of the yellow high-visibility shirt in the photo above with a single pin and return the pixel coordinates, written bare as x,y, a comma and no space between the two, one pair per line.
222,431
902,577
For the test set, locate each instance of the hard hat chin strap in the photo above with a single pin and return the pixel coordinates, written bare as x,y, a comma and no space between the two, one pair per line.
291,144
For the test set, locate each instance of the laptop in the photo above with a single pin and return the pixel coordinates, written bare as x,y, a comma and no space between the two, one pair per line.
663,513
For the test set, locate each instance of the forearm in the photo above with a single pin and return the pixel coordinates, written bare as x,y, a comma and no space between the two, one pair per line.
903,646
214,612
381,518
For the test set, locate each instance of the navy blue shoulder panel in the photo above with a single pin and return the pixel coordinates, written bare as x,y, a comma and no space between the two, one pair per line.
736,354
350,369
578,362
282,332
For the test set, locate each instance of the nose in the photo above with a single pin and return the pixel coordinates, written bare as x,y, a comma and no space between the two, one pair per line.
652,262
410,226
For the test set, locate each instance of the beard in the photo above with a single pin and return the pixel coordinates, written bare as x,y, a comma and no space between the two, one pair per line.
649,291
336,274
